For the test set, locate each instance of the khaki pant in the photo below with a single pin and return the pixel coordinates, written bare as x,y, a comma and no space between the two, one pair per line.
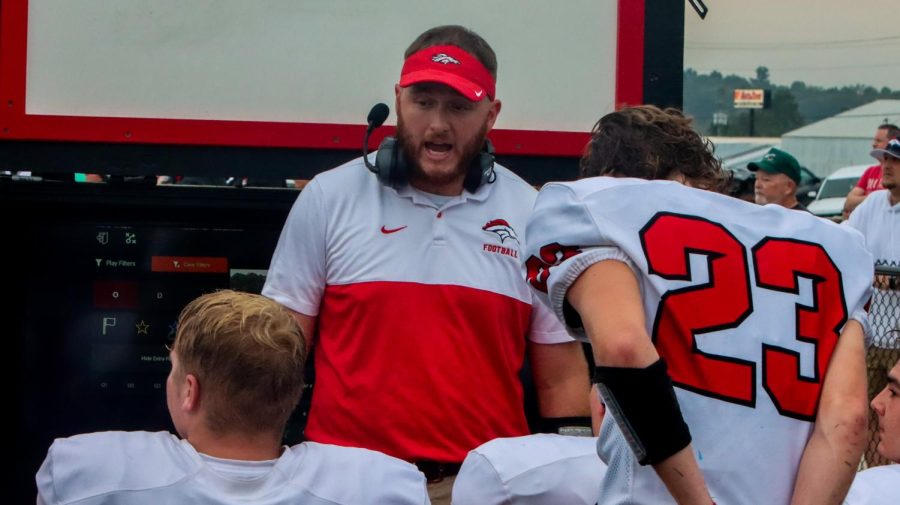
439,492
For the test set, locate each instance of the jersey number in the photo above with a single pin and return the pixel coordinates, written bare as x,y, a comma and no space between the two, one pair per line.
538,268
725,301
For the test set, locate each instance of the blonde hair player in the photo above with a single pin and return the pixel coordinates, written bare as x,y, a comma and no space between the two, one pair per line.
237,368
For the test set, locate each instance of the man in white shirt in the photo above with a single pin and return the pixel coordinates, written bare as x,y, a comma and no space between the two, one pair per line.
403,270
237,373
878,219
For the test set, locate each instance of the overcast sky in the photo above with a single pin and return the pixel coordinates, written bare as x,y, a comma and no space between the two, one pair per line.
821,42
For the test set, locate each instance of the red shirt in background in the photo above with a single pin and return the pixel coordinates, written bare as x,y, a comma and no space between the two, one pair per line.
870,180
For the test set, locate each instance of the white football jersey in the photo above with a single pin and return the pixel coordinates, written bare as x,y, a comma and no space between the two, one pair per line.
531,470
141,468
744,302
876,486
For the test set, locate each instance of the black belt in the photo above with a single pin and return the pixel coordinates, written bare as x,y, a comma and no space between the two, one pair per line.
435,471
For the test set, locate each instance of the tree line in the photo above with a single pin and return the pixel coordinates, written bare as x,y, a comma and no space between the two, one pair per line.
791,106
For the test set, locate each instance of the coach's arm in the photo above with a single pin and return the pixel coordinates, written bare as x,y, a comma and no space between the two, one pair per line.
561,379
307,325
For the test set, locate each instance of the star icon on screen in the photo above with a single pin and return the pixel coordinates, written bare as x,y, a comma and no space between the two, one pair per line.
142,327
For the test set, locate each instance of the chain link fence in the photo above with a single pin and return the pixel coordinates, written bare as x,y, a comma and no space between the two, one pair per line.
884,352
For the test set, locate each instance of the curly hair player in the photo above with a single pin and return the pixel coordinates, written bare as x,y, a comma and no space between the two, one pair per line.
729,337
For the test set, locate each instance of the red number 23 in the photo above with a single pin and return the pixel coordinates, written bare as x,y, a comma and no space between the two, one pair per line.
725,301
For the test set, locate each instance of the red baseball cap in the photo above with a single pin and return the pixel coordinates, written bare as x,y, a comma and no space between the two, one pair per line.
452,66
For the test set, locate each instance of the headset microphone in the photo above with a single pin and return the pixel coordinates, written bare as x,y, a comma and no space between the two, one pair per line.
376,118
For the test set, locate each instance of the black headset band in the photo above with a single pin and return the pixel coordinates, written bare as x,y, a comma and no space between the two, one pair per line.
392,169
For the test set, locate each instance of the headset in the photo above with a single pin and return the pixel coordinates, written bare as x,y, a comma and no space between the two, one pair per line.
392,169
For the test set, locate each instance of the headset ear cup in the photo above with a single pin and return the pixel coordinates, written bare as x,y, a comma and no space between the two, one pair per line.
391,165
481,171
486,162
384,160
399,169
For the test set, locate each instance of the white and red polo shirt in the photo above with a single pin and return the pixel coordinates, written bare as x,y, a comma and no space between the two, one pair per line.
422,311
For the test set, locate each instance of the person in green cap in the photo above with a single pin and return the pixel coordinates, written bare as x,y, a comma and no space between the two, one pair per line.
777,178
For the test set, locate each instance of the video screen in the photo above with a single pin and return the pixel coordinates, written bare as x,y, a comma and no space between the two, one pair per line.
101,303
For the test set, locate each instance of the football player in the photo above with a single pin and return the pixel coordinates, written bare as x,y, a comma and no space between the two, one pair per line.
728,336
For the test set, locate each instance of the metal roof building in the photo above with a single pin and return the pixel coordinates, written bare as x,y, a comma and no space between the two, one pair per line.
841,140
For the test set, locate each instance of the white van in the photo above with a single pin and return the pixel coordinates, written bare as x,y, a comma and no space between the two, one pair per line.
829,201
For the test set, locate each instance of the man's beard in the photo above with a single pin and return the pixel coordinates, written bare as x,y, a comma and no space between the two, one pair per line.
889,175
410,152
890,182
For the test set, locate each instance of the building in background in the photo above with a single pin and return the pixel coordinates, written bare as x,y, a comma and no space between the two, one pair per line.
841,140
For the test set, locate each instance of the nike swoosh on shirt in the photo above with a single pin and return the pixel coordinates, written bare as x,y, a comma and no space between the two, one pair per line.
388,231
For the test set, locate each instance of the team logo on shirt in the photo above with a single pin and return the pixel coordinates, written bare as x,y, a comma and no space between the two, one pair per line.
502,229
504,232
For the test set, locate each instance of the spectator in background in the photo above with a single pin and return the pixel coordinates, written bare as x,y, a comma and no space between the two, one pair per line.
881,485
777,178
878,218
407,280
871,178
237,373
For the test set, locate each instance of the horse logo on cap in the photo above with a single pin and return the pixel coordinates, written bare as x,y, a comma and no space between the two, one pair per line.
444,58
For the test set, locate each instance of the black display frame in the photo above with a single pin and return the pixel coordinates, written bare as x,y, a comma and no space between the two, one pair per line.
29,209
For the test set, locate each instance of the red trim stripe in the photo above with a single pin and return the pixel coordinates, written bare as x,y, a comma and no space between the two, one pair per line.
13,41
630,54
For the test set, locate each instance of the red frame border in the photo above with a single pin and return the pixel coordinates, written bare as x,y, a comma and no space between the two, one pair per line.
15,124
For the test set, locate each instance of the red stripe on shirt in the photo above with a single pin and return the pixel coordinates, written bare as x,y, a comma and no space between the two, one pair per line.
418,371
